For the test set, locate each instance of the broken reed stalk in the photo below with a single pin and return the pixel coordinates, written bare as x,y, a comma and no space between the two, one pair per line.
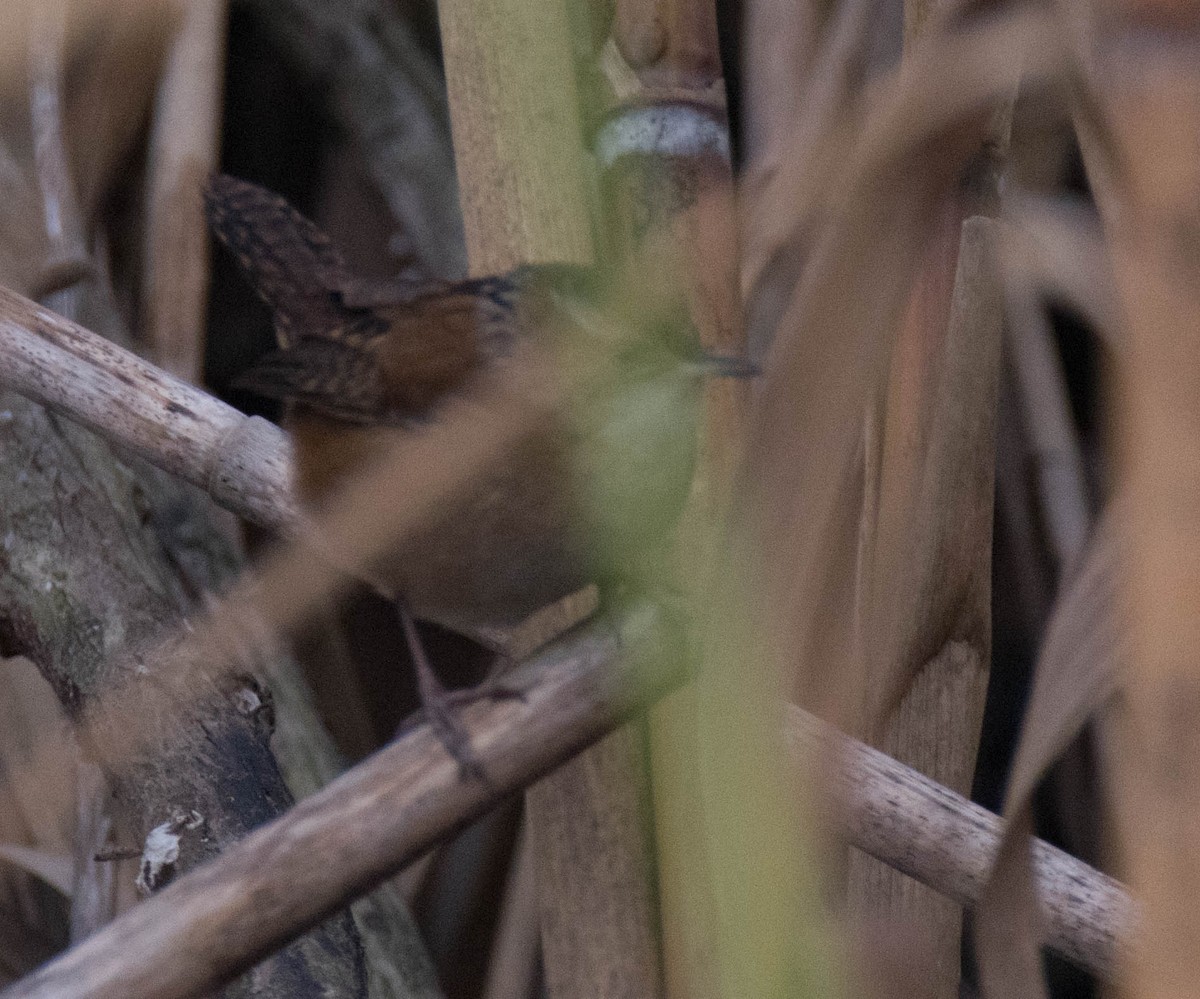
928,523
217,921
925,542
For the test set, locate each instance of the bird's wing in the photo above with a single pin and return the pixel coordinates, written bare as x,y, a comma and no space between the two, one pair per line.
293,266
332,377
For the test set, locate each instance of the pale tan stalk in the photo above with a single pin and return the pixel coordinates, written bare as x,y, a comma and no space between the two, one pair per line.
183,154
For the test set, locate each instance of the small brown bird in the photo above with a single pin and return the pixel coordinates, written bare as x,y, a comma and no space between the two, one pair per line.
360,361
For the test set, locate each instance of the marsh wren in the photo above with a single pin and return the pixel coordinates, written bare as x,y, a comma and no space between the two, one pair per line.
361,360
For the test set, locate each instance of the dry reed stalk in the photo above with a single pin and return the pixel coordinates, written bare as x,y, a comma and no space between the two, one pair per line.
1077,669
98,895
1089,104
793,201
182,154
1146,54
515,123
66,252
928,535
513,962
780,45
795,114
117,57
907,151
89,17
1050,247
1056,248
795,489
523,190
34,842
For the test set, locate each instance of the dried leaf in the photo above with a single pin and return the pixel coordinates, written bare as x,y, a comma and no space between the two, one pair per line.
1077,674
56,869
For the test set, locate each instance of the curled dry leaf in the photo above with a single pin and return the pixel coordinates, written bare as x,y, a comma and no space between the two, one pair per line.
1077,675
1057,248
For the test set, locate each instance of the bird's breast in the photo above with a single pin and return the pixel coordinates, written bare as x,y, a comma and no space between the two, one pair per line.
507,545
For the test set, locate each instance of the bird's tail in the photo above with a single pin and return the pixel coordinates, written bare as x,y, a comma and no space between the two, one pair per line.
292,265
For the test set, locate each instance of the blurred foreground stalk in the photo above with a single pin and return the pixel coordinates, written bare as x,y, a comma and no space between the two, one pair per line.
739,913
1150,63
